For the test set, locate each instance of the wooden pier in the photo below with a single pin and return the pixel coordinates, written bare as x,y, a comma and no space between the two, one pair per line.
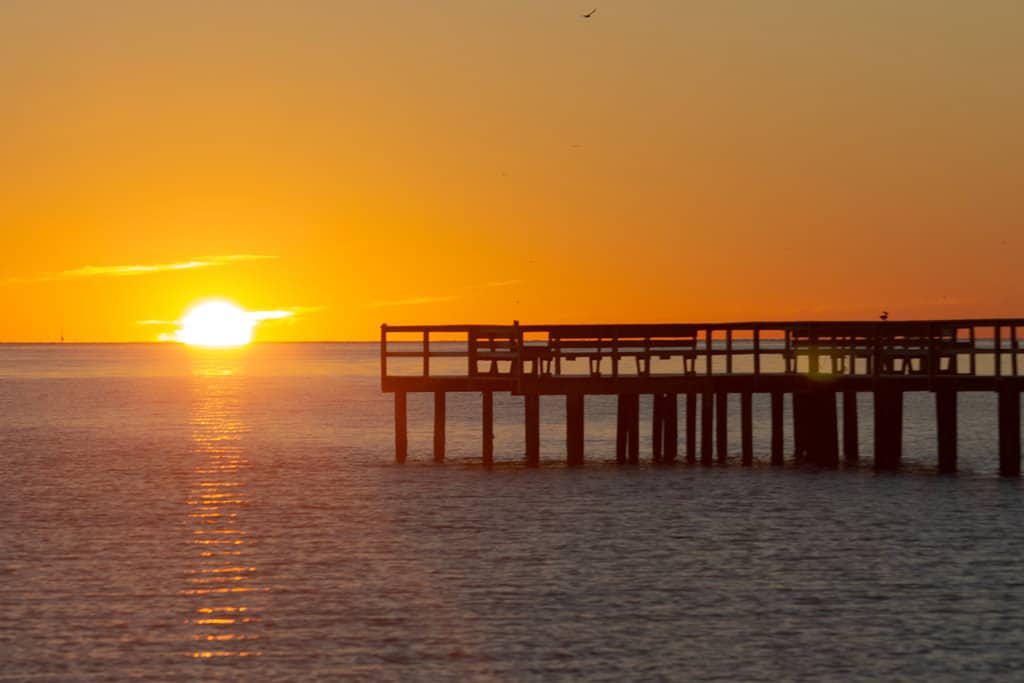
813,362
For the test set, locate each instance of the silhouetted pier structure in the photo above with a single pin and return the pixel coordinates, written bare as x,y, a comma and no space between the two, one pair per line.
813,362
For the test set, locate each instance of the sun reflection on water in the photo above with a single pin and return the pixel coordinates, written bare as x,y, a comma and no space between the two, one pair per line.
221,620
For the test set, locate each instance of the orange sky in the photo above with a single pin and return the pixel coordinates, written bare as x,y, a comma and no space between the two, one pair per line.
476,161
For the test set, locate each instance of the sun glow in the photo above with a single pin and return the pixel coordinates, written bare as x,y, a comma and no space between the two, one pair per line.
216,324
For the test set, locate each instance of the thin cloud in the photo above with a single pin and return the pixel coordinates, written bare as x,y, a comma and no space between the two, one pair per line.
257,316
414,301
417,300
144,269
499,283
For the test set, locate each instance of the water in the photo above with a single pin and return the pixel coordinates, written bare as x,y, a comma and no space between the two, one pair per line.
171,514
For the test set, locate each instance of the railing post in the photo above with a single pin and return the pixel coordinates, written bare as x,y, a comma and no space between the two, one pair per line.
757,350
973,342
813,360
997,333
787,352
517,362
383,352
728,351
1013,348
426,353
707,348
933,354
875,357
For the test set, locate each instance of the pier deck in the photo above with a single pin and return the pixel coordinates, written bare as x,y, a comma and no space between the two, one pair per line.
812,361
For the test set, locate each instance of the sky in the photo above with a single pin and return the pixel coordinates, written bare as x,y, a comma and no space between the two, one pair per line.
468,161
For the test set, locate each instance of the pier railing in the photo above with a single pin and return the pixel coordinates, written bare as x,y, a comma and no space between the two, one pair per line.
514,354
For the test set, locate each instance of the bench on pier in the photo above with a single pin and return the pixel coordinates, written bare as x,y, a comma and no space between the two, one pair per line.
492,350
546,359
891,349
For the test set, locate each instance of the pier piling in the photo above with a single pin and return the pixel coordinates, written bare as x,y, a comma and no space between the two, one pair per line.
487,409
691,427
401,429
1009,432
888,428
800,417
574,429
633,442
778,456
657,427
627,432
851,451
722,427
747,427
532,410
946,428
621,429
670,414
439,424
707,425
825,429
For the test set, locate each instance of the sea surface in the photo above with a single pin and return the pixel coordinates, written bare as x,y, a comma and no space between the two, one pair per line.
172,514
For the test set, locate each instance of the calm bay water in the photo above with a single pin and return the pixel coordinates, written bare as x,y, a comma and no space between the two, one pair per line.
173,514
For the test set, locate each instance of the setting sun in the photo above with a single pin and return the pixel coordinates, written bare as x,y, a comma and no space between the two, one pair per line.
216,324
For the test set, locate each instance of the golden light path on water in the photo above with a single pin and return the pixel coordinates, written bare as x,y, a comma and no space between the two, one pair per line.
221,619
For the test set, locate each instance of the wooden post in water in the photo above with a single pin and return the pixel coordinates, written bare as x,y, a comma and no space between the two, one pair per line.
691,427
657,427
439,420
747,427
707,415
621,429
574,429
401,430
488,427
799,425
532,409
888,427
851,451
1009,431
778,456
945,422
824,427
670,415
722,427
633,443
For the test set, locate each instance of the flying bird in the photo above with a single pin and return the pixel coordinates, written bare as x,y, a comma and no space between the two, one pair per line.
884,316
589,14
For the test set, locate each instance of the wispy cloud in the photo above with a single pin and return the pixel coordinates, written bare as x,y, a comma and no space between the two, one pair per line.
255,316
499,283
143,269
416,300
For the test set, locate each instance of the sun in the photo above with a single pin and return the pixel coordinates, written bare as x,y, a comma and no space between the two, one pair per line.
216,324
